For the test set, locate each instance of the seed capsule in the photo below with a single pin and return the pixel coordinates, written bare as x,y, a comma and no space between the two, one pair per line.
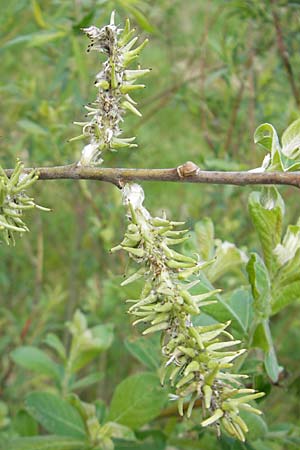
216,416
207,391
158,327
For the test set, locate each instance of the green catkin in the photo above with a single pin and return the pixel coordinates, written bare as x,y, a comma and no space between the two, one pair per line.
115,83
196,358
14,202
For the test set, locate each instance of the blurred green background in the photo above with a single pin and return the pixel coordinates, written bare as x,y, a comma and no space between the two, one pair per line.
216,75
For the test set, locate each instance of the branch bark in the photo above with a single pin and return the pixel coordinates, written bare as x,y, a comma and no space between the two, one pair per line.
186,173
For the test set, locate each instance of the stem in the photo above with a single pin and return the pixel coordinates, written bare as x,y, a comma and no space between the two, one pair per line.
118,176
69,367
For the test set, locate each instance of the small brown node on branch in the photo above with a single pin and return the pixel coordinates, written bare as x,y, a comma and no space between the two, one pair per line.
120,183
188,169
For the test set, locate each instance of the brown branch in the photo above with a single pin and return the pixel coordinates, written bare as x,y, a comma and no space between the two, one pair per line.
283,52
186,173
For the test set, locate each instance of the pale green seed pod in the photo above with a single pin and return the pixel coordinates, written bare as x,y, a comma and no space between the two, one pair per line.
229,427
191,405
193,366
155,328
207,391
180,406
185,379
214,418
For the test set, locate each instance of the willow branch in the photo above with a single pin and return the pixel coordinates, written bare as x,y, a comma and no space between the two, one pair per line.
186,173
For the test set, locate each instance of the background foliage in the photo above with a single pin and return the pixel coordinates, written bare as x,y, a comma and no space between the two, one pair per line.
216,74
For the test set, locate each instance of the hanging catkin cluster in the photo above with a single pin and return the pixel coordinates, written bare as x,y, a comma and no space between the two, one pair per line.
197,359
115,83
14,201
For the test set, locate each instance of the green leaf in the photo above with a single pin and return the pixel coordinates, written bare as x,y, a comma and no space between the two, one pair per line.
54,342
102,337
256,424
260,338
204,442
118,431
137,400
32,358
146,350
140,18
241,303
271,364
235,307
294,167
44,443
286,282
43,37
276,163
227,258
32,128
266,209
84,22
266,136
204,233
17,40
227,310
35,39
230,308
290,244
260,285
101,410
289,272
260,382
147,440
291,140
38,15
284,296
4,419
87,381
263,339
24,424
55,414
